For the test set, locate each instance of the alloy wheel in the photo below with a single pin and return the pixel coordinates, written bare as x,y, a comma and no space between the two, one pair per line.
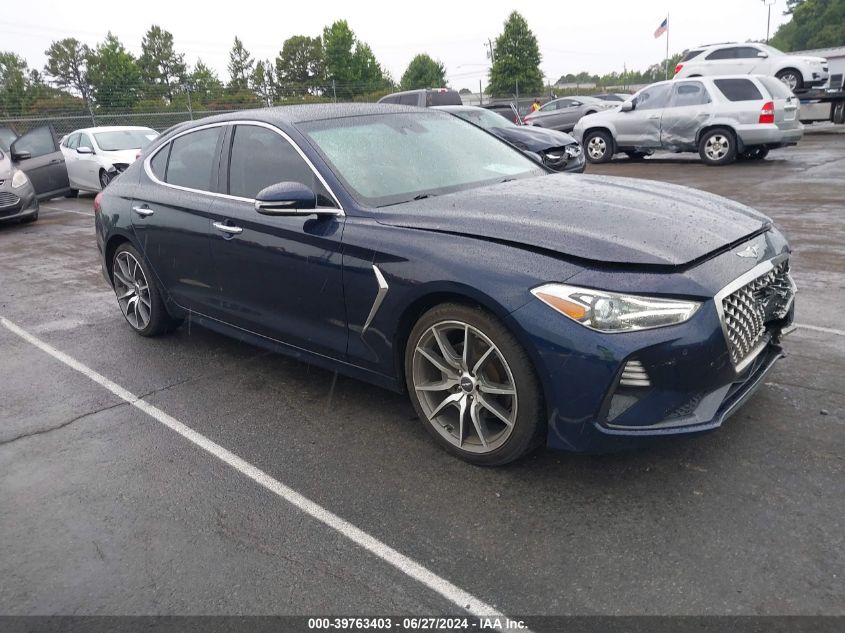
465,386
790,80
105,179
596,147
717,147
132,290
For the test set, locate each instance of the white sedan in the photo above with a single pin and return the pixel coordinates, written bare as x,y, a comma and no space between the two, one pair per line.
95,155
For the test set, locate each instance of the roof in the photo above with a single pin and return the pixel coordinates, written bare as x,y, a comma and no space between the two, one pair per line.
310,112
111,128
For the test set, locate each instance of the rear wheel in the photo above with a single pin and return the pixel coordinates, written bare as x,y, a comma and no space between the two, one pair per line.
755,153
598,145
792,78
105,179
473,386
717,147
637,155
73,193
137,294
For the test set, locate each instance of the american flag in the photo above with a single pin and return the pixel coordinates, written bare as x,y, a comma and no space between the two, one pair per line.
664,26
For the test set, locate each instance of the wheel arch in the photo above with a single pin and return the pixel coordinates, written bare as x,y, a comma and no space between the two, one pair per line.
719,125
601,128
112,244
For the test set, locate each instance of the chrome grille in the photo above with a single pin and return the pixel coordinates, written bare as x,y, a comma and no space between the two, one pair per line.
8,199
746,310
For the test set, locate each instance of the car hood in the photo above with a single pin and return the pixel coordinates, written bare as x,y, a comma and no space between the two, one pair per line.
604,219
533,138
120,156
809,59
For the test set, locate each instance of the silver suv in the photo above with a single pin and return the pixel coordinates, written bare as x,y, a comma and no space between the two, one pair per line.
721,118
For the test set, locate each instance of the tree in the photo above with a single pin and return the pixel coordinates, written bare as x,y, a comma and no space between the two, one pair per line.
240,67
14,99
516,60
162,68
264,82
67,65
299,65
204,85
367,73
114,75
814,24
423,72
338,44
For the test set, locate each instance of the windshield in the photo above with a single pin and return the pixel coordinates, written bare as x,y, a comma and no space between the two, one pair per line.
771,50
391,158
118,140
483,118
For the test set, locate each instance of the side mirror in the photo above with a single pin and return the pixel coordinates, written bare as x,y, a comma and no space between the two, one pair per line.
287,198
763,54
18,155
84,150
627,106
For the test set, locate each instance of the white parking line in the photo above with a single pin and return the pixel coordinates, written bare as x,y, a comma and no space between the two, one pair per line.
407,566
44,206
816,328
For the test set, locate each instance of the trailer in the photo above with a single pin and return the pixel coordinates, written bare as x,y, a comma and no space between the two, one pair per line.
822,105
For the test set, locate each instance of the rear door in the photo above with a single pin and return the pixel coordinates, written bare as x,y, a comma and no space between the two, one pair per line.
46,165
170,216
689,108
640,127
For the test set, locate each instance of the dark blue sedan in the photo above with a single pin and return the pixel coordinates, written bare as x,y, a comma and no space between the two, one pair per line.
403,247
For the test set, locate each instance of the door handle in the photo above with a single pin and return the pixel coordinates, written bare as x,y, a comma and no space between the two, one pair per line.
231,230
143,211
55,161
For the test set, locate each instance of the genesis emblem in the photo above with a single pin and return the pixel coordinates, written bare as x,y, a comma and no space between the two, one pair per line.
750,251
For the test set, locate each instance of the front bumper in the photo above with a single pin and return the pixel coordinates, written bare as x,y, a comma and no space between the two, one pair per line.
17,205
691,383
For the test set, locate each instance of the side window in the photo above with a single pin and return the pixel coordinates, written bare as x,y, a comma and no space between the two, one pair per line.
390,99
722,53
158,164
550,106
85,141
410,100
37,142
654,97
192,159
746,52
738,89
260,157
689,93
72,141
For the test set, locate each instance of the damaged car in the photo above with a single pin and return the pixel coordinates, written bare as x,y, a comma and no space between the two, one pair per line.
516,306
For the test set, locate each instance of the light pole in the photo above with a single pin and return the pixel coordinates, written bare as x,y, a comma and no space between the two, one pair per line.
768,4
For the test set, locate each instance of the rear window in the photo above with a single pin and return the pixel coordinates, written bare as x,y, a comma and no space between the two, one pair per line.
448,97
738,89
776,87
192,159
692,55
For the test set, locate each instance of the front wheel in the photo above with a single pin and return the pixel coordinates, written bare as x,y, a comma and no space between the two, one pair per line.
599,146
717,147
637,155
105,178
473,385
137,295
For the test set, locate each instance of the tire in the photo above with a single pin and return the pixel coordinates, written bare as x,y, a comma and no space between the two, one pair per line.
717,147
754,153
105,179
73,193
793,79
637,155
138,295
598,146
509,419
839,113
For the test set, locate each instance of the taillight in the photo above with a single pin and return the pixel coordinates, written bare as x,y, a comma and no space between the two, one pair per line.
767,114
678,68
98,202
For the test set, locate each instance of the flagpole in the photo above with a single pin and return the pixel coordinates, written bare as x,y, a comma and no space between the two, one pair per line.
666,63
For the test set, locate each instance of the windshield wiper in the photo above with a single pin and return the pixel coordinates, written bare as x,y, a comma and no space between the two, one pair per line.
423,196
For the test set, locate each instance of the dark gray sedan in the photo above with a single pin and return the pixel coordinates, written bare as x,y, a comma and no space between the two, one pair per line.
562,114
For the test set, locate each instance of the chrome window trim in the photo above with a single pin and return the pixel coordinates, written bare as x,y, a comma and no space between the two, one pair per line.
340,210
758,271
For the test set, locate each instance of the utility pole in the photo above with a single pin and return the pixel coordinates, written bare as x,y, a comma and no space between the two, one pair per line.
334,92
480,93
187,88
490,54
768,4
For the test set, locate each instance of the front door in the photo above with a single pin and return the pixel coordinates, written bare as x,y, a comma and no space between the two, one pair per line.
640,127
45,166
688,111
280,277
171,219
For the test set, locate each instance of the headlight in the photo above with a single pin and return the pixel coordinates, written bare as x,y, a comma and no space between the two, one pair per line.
611,312
572,150
19,179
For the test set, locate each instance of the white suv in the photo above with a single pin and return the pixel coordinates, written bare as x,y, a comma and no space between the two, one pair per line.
796,71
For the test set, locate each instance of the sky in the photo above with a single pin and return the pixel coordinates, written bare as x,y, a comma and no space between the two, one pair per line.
598,36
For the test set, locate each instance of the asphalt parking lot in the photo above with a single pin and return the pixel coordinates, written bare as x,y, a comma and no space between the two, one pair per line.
106,510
